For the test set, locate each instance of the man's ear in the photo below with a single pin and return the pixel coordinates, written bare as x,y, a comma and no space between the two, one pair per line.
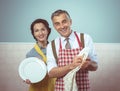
70,21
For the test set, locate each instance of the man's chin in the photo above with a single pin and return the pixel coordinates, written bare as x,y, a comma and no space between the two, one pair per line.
65,35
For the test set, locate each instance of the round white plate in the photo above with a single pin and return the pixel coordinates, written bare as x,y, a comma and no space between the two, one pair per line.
33,69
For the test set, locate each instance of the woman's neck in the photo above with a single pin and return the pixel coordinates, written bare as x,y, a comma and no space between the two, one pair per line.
42,44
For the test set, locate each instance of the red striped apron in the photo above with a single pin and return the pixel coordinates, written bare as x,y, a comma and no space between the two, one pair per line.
65,57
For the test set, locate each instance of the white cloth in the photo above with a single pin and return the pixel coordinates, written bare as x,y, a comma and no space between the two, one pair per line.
70,80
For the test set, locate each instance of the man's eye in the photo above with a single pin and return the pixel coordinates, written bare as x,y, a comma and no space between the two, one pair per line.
56,24
64,21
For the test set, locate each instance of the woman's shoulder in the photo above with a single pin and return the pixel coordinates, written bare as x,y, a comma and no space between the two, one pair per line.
31,53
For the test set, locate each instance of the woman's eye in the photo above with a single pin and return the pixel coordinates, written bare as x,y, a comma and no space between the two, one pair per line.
36,30
43,29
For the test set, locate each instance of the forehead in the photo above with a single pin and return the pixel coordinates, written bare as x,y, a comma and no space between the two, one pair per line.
39,25
60,17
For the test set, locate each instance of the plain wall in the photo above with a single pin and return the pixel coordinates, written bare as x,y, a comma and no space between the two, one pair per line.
99,18
106,78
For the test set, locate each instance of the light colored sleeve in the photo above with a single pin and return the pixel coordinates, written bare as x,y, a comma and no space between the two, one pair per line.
89,43
51,62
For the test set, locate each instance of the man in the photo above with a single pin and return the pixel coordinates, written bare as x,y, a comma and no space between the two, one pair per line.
67,59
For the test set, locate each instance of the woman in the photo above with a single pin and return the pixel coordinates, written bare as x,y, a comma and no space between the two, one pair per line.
40,30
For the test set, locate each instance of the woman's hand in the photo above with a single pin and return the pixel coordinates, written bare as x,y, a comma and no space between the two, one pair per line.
27,81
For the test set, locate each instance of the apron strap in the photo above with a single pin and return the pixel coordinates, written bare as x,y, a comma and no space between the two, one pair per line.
81,43
40,52
82,39
54,50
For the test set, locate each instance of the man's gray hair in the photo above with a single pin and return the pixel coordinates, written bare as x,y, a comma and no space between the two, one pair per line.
58,12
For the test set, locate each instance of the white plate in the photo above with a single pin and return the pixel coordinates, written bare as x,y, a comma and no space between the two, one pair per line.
33,69
84,52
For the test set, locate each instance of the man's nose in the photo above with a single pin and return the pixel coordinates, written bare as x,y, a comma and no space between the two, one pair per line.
61,26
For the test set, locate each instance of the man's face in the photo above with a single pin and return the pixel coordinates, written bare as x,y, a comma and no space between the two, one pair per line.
62,24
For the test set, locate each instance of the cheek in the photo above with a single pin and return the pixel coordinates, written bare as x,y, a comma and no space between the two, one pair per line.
46,34
56,27
35,34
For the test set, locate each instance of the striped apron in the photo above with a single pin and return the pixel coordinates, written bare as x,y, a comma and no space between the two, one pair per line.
65,57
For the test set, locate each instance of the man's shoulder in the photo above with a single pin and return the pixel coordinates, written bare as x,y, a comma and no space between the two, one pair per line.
55,40
78,33
86,35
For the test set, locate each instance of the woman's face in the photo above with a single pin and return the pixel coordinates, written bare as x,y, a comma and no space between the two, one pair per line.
40,32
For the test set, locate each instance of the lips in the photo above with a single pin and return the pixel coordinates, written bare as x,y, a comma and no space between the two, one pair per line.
63,31
41,37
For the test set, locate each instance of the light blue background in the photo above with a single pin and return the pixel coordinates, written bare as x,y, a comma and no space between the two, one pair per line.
98,18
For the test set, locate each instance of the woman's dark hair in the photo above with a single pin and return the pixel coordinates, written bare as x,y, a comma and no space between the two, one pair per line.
40,21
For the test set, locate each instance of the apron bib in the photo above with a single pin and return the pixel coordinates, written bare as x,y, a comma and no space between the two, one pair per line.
65,57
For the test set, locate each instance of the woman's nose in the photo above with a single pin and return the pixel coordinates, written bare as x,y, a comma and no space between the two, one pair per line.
40,32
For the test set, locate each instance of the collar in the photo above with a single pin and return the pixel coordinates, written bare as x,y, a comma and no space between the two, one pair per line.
71,37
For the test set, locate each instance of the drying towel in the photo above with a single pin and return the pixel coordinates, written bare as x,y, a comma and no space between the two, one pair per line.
70,80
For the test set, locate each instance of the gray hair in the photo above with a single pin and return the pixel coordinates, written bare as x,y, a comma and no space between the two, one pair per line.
58,12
